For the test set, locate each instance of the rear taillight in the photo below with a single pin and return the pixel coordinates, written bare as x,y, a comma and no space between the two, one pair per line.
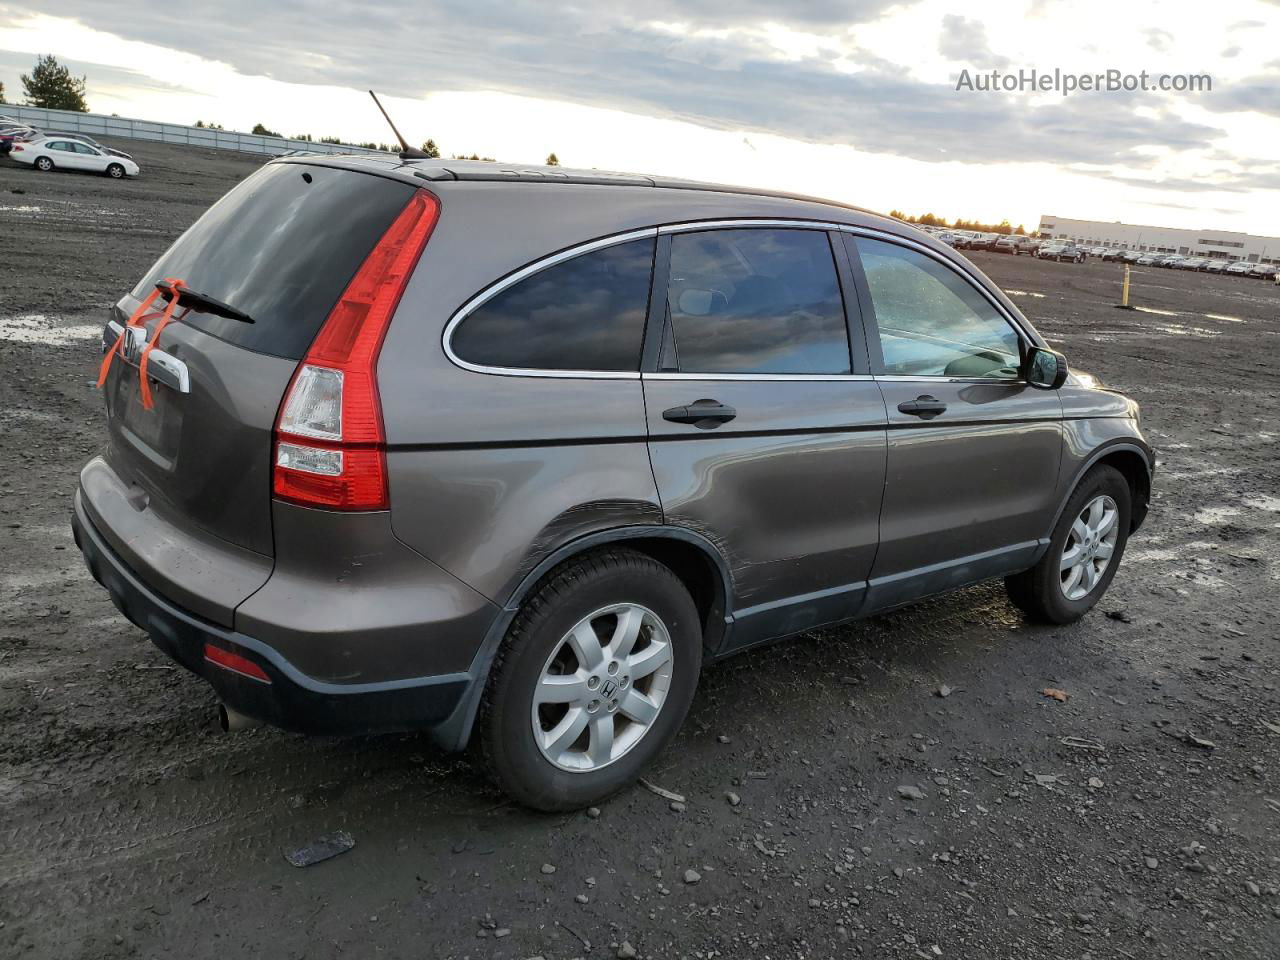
330,450
17,147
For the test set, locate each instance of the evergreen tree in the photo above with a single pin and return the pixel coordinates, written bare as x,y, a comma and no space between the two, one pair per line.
553,160
51,85
430,149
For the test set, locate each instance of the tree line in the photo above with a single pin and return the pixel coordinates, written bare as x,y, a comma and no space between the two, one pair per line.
931,220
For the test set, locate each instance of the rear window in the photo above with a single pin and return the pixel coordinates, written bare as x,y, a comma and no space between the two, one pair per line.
586,313
281,247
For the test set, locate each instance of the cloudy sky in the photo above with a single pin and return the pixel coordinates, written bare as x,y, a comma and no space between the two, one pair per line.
856,100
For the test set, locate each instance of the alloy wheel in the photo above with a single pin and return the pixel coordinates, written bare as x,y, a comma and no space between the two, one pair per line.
602,688
1090,545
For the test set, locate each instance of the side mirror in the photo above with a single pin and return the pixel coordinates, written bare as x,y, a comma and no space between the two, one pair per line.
1045,369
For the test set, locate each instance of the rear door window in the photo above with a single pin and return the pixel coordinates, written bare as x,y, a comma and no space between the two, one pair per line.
585,313
281,247
763,301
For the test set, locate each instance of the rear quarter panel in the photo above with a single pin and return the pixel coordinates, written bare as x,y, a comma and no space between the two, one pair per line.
559,459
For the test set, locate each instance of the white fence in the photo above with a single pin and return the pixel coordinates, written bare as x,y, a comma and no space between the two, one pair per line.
101,125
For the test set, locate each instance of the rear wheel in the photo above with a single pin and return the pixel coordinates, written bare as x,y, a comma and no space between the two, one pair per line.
44,163
115,171
1084,551
594,678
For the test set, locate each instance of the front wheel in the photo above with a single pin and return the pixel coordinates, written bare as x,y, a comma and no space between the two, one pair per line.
115,171
1084,551
593,680
44,164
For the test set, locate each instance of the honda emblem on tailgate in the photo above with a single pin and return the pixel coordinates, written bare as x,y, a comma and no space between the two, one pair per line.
134,343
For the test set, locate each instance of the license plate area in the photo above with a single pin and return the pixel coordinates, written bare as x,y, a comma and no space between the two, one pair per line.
154,433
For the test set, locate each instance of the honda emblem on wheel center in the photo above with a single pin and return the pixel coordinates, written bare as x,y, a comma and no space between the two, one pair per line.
609,689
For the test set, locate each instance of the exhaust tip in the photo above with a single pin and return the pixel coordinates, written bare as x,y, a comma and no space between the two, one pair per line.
231,721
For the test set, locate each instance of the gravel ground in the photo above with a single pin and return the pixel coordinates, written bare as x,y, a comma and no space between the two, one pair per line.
895,788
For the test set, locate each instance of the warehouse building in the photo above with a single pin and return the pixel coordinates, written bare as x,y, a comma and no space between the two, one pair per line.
1200,243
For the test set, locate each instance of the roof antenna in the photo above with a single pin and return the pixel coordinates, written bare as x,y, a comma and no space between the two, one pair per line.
406,152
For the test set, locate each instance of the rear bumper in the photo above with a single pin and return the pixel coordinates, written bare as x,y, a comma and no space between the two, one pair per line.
291,699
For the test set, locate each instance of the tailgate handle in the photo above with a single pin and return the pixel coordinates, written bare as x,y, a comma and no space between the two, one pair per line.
161,367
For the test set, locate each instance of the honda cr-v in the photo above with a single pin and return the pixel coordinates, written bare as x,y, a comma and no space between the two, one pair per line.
508,454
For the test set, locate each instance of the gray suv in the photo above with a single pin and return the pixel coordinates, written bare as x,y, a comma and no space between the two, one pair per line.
507,454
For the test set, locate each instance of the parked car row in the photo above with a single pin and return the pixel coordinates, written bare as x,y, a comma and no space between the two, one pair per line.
1066,251
1241,268
977,240
1176,261
48,150
1014,243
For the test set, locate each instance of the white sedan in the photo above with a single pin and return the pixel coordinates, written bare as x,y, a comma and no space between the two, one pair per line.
54,153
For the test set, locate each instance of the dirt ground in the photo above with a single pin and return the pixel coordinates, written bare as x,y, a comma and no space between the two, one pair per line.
1140,818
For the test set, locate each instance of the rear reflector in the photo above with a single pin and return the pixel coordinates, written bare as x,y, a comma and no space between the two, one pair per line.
235,663
330,447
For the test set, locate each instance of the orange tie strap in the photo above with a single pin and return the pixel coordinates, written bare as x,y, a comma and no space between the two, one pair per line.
139,319
144,386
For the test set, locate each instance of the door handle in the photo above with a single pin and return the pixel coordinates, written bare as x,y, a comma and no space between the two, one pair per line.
925,407
703,414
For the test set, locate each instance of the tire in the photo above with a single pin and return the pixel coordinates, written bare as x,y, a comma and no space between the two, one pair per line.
115,171
543,644
1040,592
44,164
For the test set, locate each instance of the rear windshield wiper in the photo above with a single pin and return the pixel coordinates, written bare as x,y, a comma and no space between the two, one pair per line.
203,303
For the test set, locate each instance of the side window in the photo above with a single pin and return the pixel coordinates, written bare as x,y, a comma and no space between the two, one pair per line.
85,148
60,145
586,313
755,301
932,321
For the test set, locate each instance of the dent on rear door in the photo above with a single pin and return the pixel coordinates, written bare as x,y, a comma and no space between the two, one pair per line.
789,491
